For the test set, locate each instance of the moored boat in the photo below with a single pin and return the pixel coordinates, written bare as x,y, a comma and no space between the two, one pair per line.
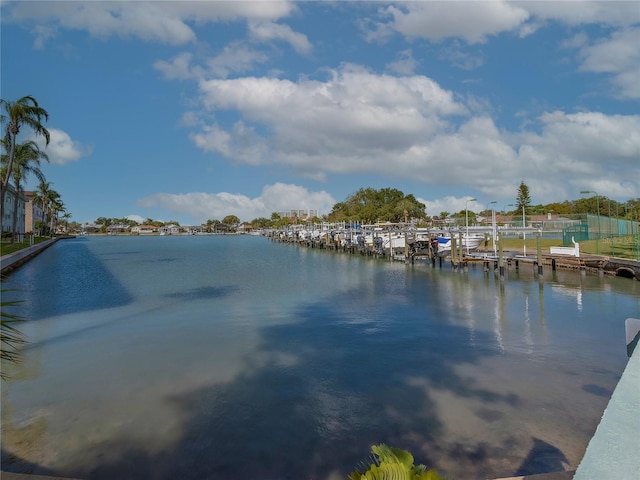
469,243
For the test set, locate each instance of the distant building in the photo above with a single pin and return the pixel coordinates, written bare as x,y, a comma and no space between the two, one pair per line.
117,228
33,214
10,200
300,214
144,229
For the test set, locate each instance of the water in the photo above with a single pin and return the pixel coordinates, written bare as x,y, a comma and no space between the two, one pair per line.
219,357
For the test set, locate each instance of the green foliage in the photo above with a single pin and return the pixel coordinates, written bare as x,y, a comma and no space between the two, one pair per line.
389,463
524,199
368,205
231,220
10,337
563,208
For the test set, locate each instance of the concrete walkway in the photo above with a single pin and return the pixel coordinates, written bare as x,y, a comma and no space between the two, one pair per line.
14,260
614,450
24,476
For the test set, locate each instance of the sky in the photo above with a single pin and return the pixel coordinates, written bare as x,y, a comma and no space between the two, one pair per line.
189,111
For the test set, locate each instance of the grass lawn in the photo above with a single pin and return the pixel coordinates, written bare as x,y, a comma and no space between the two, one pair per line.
622,247
6,247
518,244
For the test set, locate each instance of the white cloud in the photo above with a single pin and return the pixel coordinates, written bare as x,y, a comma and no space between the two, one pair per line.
136,218
163,22
451,205
583,149
265,31
357,122
618,55
236,57
351,123
61,149
475,21
459,57
179,67
584,12
471,21
405,64
277,197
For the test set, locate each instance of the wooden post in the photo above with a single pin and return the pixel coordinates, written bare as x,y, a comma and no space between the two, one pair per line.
539,252
500,256
406,247
454,252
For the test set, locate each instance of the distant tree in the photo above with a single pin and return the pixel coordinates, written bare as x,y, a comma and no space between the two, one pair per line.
261,223
24,111
632,209
74,227
56,207
369,205
444,214
46,196
209,225
231,220
557,208
524,199
463,214
587,205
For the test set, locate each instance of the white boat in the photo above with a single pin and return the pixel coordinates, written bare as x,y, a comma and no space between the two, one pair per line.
381,240
470,243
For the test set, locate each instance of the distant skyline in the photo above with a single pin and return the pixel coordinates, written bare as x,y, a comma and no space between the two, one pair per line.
190,111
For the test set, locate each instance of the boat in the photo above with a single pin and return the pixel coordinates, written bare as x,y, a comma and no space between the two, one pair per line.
469,243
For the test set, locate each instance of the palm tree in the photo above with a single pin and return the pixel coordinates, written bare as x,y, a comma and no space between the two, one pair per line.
26,160
56,207
45,195
24,111
10,337
65,221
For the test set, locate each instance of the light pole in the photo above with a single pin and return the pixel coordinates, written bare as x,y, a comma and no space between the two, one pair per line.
598,207
493,225
466,216
505,207
609,221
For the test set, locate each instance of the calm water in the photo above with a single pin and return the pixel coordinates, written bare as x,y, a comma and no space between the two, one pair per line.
234,357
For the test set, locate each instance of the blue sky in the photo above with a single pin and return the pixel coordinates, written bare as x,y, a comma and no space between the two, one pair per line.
191,111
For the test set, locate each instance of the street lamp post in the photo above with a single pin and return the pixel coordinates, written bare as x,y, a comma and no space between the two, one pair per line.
466,216
505,207
609,221
598,208
493,225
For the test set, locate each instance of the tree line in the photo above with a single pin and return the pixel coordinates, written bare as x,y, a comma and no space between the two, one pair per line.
368,205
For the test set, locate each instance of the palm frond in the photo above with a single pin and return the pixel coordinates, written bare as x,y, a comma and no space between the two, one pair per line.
390,463
11,338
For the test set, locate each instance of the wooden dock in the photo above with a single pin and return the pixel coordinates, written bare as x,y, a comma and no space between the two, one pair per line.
540,261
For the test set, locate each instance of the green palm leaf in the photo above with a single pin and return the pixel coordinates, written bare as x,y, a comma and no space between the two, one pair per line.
389,463
10,337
